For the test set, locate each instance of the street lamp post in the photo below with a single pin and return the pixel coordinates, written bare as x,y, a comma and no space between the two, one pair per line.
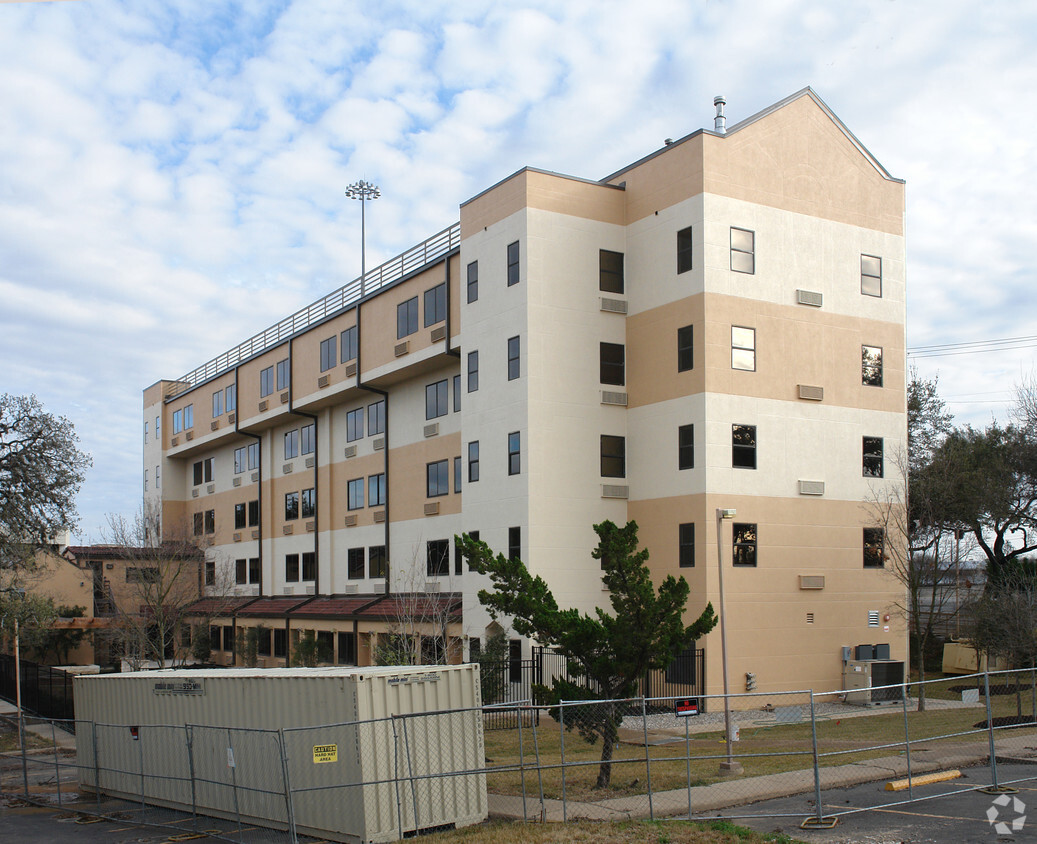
729,767
364,191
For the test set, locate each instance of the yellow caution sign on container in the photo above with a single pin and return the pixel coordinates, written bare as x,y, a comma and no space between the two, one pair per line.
325,753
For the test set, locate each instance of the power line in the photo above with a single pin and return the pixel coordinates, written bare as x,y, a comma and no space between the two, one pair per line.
1005,344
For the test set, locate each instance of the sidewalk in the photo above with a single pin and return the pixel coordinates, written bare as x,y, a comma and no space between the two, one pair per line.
62,738
745,791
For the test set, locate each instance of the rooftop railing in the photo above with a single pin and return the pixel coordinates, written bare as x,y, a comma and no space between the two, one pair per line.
430,250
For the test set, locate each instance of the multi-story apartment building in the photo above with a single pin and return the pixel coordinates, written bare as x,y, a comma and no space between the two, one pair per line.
717,325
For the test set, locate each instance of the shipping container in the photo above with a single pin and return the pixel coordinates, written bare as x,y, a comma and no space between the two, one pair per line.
349,754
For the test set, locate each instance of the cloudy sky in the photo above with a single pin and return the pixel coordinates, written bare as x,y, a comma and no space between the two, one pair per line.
172,171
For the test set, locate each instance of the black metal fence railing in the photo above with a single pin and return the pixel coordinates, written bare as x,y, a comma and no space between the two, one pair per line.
46,692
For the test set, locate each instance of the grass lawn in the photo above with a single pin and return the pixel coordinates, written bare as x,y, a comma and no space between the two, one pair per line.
628,832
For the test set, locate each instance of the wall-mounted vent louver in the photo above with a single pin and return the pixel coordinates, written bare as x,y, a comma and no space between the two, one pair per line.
612,397
615,491
432,586
438,333
378,444
231,418
194,493
237,537
214,425
311,527
811,581
350,451
175,441
285,396
378,588
323,381
432,430
288,590
811,393
288,530
263,405
350,589
351,520
255,477
309,462
210,489
810,618
236,481
311,590
811,487
189,436
809,297
401,348
351,369
873,618
288,468
255,534
614,306
432,508
379,515
252,590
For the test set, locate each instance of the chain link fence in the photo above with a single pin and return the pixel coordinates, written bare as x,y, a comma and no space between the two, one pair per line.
389,778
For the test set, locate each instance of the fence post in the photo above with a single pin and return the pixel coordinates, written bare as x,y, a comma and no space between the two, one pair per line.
907,742
522,763
396,774
97,766
57,766
687,759
561,736
189,742
293,837
140,752
990,734
540,771
648,758
232,763
819,820
410,775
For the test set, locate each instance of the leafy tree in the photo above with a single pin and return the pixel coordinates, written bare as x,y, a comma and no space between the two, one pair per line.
606,653
201,644
493,669
41,470
59,642
34,614
309,651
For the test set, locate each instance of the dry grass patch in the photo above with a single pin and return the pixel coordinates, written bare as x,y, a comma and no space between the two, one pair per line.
627,832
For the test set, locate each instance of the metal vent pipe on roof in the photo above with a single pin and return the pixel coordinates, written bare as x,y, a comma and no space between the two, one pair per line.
720,122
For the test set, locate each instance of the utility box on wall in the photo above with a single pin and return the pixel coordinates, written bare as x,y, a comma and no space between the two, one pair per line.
350,743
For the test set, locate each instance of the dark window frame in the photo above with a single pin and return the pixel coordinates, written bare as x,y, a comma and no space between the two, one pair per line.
473,282
871,366
437,478
437,399
686,447
874,546
407,318
515,453
686,545
437,558
514,265
686,348
348,343
740,250
744,544
871,280
514,358
872,457
613,454
612,364
743,446
685,252
328,354
435,304
611,276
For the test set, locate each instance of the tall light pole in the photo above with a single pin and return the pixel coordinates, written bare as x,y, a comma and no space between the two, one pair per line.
364,191
729,767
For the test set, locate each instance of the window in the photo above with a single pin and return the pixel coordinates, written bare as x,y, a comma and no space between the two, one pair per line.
197,523
308,438
355,425
871,366
406,318
610,271
744,544
743,348
266,382
686,447
743,250
514,543
145,432
457,393
514,453
245,571
473,461
514,346
291,506
241,571
158,426
376,561
309,566
612,360
355,563
436,400
685,349
376,489
613,456
438,557
355,494
872,456
871,275
309,502
253,569
376,418
686,549
217,406
743,446
435,304
157,484
291,568
438,478
473,282
240,458
203,471
253,455
253,513
263,641
230,398
328,349
684,253
210,521
458,558
291,444
284,374
473,371
457,474
349,344
240,515
189,417
280,642
874,547
513,263
514,660
145,480
178,421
